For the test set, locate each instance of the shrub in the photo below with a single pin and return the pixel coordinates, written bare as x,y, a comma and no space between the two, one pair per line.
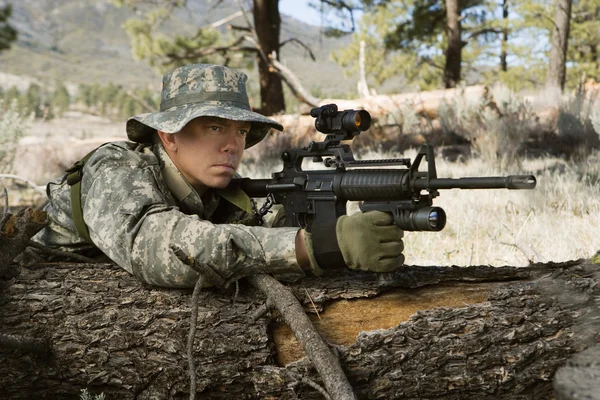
13,126
497,124
578,124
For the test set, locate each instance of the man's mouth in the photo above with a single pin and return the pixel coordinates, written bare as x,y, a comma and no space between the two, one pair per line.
226,165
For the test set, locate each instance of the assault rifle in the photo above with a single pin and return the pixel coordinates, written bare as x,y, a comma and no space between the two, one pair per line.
405,192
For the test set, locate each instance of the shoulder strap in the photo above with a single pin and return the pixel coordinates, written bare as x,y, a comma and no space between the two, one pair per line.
74,175
236,196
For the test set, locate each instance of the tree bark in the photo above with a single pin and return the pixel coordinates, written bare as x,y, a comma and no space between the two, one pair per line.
503,51
560,41
453,62
421,332
267,23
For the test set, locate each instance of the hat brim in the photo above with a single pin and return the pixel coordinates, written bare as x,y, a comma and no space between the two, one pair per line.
141,128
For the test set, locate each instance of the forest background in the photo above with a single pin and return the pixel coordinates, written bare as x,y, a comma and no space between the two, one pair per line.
73,71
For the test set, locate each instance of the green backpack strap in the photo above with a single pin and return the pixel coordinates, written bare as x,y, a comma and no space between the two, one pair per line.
236,196
74,175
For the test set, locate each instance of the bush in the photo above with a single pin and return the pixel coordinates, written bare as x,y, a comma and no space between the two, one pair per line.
13,126
497,124
578,124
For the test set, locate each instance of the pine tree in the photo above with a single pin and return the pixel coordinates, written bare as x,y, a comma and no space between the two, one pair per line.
32,100
61,100
207,45
7,33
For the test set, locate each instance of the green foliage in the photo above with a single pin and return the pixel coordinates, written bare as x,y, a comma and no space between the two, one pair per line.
382,64
86,395
13,126
35,101
407,39
32,101
584,40
61,100
7,33
165,52
115,101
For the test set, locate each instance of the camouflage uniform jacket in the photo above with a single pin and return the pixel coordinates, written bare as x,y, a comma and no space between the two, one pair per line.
136,204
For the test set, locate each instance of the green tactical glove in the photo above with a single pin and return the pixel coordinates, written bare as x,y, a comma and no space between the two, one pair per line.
366,241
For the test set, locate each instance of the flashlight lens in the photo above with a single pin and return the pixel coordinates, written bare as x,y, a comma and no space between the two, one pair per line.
434,219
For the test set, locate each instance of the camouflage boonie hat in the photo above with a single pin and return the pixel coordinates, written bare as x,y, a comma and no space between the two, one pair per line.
201,90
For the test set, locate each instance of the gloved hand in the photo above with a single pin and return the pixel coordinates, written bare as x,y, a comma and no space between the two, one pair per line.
367,241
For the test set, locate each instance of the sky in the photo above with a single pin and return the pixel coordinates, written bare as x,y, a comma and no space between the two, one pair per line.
300,10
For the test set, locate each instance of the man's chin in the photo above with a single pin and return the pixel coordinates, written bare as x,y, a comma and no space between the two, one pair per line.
221,183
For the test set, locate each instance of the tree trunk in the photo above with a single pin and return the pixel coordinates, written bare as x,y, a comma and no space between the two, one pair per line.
421,332
504,46
267,23
454,49
560,41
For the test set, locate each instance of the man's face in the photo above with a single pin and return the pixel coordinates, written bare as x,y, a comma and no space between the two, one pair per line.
208,150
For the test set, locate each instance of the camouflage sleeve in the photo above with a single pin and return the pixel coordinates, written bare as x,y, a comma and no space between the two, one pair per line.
131,221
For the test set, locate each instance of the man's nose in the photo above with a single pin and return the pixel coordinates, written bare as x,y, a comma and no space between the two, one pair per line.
231,141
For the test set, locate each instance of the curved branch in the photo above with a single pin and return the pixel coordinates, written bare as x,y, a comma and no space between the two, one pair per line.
207,51
312,56
318,352
292,81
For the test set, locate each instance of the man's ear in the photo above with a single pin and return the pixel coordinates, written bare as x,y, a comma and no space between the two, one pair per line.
168,140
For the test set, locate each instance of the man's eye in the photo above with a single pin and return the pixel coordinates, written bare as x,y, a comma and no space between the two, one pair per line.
244,132
214,128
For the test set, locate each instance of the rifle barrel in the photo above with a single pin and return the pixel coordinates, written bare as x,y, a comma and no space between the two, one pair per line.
491,182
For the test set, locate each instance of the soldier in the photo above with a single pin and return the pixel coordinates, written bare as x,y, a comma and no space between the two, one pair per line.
169,187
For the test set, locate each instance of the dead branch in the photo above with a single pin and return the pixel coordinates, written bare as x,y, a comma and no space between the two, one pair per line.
38,188
293,82
59,253
301,43
326,363
207,51
532,255
284,73
222,21
212,276
141,101
30,345
192,335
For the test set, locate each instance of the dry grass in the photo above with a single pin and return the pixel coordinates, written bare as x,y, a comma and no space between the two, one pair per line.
559,219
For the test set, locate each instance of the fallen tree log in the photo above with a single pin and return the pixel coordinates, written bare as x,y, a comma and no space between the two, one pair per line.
421,332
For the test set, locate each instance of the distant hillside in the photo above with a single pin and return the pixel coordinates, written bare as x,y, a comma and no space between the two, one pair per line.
82,41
